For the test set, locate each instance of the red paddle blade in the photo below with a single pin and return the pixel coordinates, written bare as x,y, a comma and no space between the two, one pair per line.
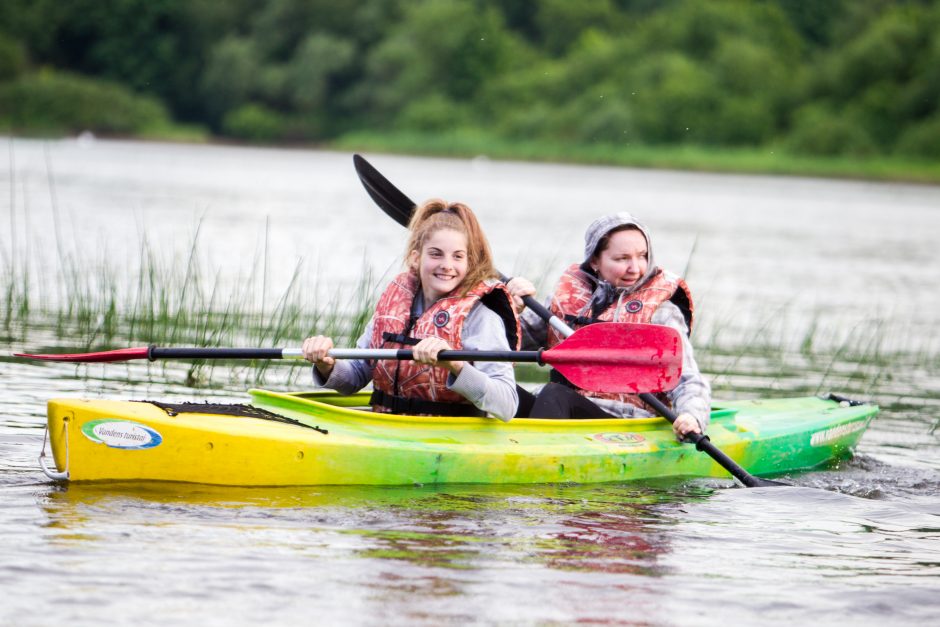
122,354
620,357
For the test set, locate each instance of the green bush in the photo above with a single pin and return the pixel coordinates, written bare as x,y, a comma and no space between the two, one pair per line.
610,121
229,78
675,99
52,102
254,123
741,121
432,113
12,58
822,132
921,140
535,122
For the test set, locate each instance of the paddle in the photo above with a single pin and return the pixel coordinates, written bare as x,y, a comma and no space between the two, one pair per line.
397,205
614,357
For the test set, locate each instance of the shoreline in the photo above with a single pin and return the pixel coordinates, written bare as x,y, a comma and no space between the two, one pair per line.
765,161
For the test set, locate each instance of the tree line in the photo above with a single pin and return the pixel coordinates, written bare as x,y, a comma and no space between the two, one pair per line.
833,77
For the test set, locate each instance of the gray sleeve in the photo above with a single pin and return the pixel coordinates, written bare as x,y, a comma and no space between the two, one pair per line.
489,385
534,330
693,395
349,375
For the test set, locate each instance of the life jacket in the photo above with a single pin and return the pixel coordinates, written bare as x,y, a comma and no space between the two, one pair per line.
409,387
571,303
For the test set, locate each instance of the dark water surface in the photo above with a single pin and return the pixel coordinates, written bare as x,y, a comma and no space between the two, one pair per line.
803,287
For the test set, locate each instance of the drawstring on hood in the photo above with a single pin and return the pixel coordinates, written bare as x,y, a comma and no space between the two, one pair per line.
604,294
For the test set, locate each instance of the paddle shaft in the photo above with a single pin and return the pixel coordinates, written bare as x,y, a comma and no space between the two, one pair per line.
446,355
156,352
615,357
556,357
543,312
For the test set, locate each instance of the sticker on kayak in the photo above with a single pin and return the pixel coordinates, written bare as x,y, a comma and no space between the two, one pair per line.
622,439
821,438
121,434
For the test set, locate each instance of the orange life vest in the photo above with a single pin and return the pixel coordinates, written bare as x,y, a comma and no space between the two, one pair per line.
571,303
409,387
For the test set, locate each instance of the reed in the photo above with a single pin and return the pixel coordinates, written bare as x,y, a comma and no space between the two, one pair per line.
774,352
875,358
91,303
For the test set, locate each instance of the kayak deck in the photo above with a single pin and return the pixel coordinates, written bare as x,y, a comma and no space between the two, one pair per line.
328,439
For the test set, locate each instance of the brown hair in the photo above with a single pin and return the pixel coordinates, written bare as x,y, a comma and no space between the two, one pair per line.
435,215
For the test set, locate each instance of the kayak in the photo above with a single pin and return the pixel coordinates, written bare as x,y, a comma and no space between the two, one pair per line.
323,438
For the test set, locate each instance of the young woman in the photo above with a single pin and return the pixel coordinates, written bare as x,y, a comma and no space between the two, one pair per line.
617,282
448,298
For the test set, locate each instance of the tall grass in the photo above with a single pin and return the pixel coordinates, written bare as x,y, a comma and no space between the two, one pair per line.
93,303
878,358
158,300
79,298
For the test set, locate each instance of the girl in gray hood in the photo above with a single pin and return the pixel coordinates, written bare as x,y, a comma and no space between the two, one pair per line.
618,281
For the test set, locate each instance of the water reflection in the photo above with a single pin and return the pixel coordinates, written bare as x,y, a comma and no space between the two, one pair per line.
614,529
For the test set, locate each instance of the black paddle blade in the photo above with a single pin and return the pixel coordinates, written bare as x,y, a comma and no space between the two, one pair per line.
388,197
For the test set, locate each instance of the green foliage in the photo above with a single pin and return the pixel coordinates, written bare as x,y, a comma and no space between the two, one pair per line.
318,59
675,99
921,140
254,123
230,76
434,112
12,58
822,132
561,22
841,77
67,103
814,20
879,75
448,47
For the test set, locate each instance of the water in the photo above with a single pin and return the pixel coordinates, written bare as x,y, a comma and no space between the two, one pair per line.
802,286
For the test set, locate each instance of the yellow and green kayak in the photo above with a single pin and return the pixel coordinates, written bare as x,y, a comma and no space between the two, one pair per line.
322,438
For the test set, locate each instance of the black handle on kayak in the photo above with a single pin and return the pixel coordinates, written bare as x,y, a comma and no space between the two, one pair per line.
155,352
531,303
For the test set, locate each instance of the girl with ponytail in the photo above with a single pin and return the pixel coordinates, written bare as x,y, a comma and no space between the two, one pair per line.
448,297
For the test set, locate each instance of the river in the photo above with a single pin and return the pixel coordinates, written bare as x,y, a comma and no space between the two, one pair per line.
803,286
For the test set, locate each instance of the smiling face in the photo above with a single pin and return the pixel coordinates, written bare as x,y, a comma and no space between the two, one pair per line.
441,264
624,260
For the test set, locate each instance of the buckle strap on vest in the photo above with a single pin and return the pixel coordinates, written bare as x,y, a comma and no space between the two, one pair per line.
399,338
579,320
414,406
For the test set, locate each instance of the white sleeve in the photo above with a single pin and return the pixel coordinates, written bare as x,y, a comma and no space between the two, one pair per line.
489,385
349,375
693,394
